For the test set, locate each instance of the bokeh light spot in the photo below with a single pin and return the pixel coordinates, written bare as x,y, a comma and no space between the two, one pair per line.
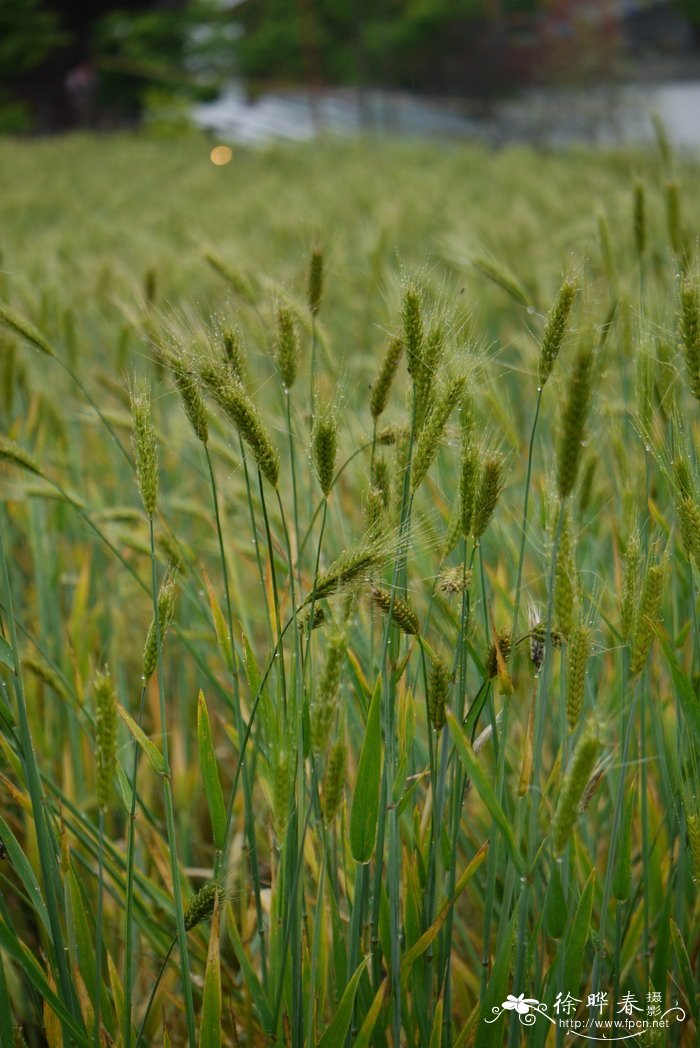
221,155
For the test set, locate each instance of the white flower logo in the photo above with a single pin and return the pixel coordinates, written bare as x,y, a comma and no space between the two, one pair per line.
520,1004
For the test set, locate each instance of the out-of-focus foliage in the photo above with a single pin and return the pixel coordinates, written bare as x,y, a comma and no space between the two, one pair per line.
186,51
28,34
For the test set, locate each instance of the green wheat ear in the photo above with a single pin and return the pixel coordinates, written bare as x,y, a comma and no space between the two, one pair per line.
639,218
287,347
166,612
555,328
648,615
381,387
438,693
324,447
574,421
314,286
145,447
689,329
11,452
574,787
334,780
579,650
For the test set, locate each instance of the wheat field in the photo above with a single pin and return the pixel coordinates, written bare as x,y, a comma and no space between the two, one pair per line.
349,650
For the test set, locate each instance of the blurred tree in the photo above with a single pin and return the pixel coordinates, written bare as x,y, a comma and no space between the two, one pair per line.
28,34
185,51
417,44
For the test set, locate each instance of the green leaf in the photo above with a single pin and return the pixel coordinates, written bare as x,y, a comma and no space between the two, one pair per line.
484,789
488,1035
210,775
684,689
555,905
578,937
210,1027
249,975
35,974
223,638
149,748
7,655
429,936
370,1021
662,949
25,873
84,939
364,813
335,1032
622,874
686,971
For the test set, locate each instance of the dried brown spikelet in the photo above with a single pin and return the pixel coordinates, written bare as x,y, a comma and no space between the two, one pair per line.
18,1038
232,399
106,718
438,693
502,644
145,448
565,577
351,565
630,584
287,347
579,652
42,669
324,446
403,614
538,641
647,617
314,285
324,705
689,328
574,420
413,330
381,388
573,788
555,329
304,618
21,326
334,780
391,435
433,431
166,612
488,493
201,906
594,782
639,218
452,581
11,452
